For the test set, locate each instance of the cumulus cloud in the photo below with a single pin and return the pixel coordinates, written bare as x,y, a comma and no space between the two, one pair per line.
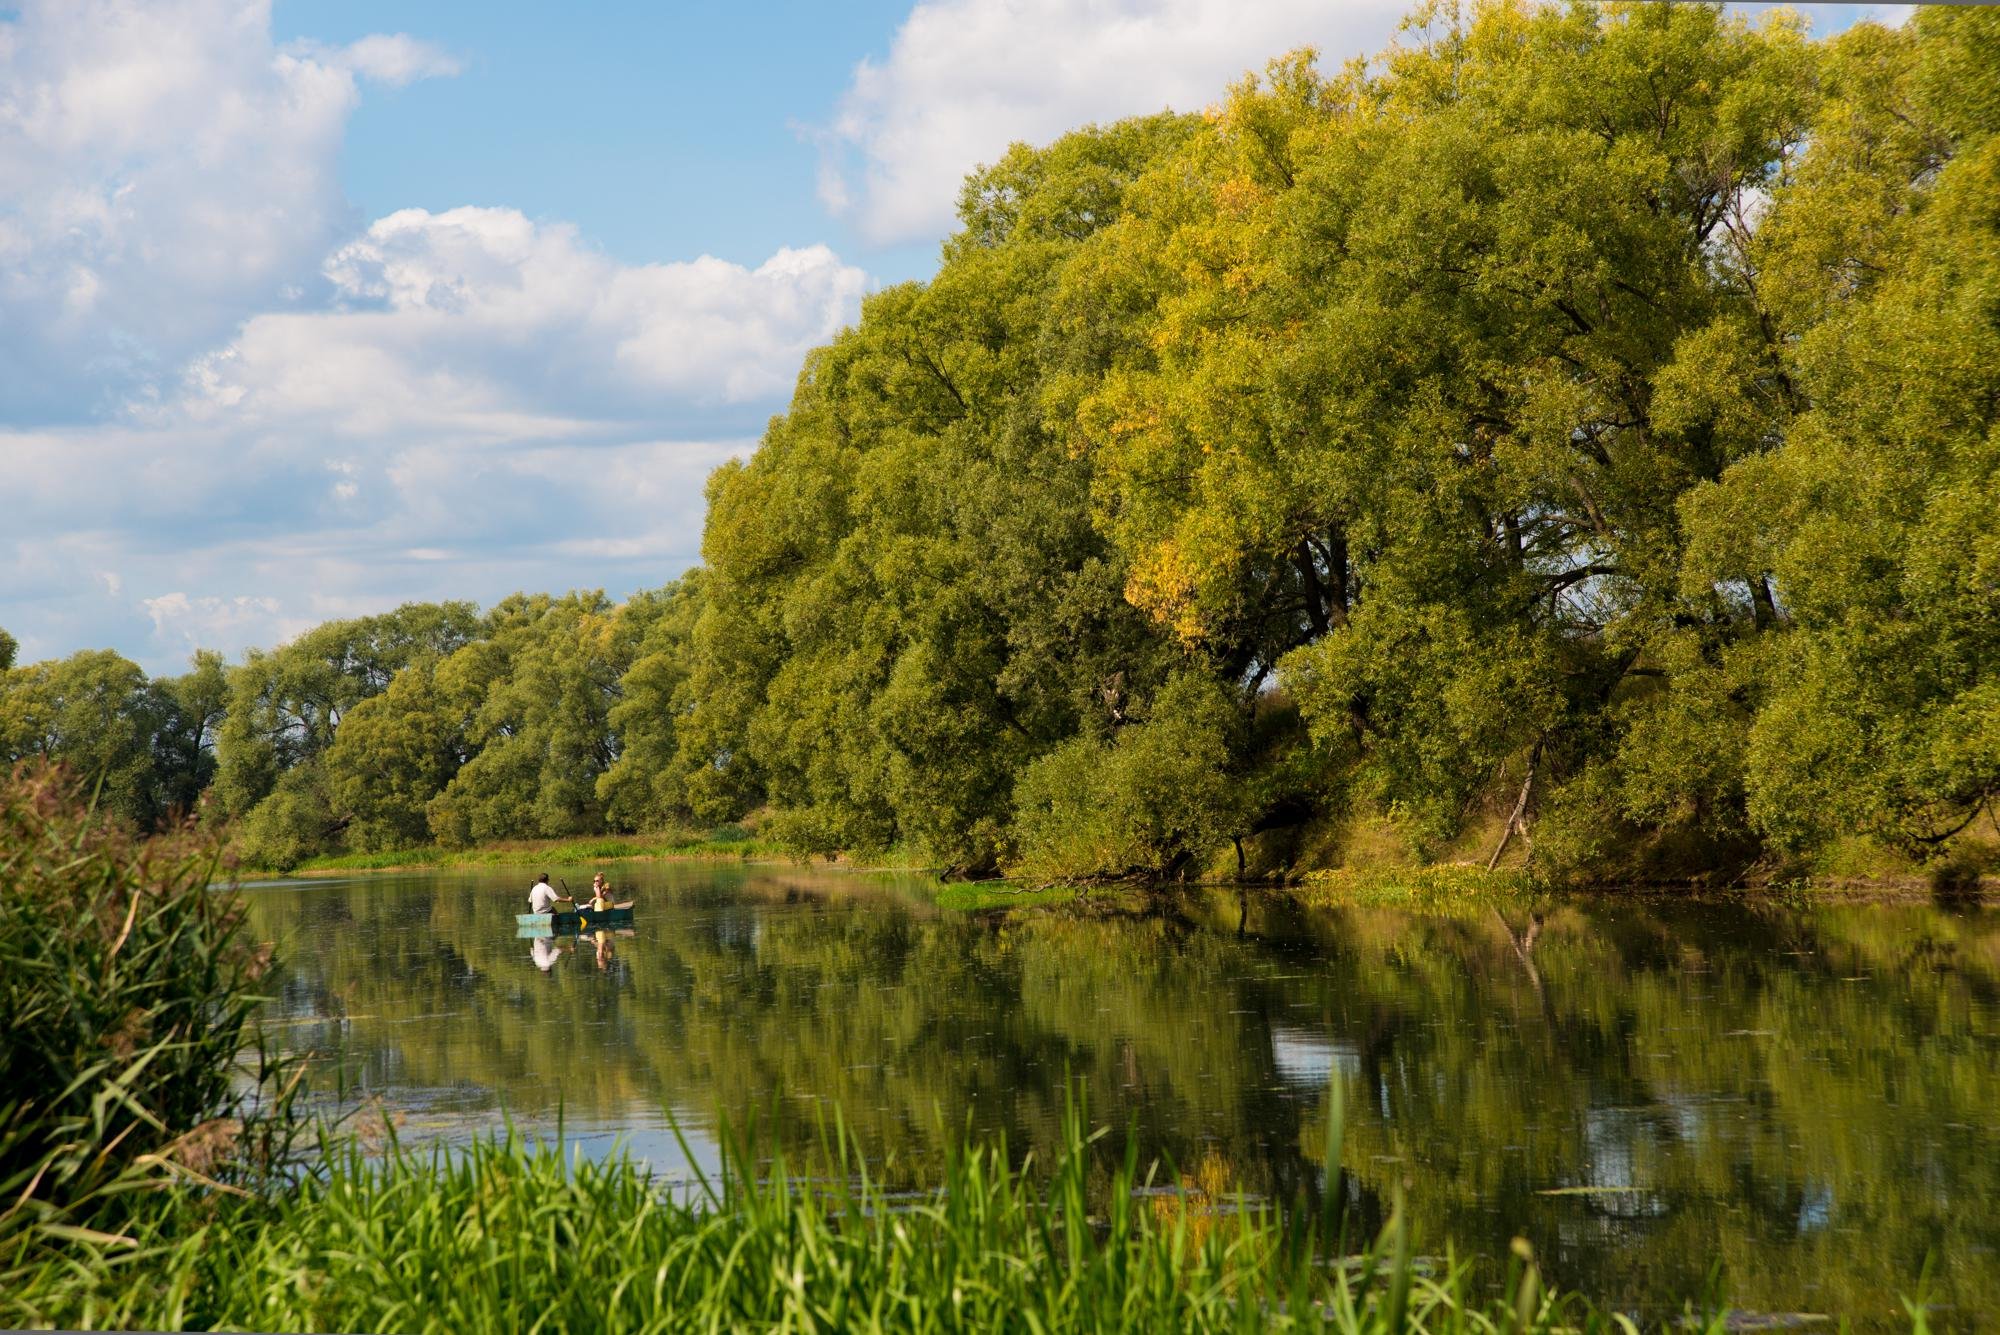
195,623
230,409
164,172
486,404
481,311
965,78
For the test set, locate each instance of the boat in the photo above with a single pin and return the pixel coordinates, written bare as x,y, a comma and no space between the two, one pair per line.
573,921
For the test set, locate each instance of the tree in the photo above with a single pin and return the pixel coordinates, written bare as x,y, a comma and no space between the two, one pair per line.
1878,513
1157,800
905,600
93,712
644,787
190,710
536,690
285,710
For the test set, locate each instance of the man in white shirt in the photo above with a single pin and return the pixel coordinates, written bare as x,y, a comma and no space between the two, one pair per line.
542,897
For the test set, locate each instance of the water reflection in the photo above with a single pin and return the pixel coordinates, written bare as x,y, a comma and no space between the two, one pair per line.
1641,1087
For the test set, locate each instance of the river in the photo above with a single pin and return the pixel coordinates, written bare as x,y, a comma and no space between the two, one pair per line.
1801,1100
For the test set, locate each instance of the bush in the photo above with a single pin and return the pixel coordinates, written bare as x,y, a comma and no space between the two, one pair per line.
1156,800
123,1011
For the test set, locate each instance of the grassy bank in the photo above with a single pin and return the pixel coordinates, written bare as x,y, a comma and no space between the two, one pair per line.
726,843
505,1235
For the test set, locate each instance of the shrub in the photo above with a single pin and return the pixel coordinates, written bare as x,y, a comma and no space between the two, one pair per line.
123,1011
1155,800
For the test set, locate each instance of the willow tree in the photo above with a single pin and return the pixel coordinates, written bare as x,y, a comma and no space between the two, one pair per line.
1878,513
536,692
92,711
286,707
1397,439
906,599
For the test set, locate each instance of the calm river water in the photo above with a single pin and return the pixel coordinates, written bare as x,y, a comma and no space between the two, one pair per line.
1646,1089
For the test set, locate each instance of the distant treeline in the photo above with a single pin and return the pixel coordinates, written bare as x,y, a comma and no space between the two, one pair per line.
1580,422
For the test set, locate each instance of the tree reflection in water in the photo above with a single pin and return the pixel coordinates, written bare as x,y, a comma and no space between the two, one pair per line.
1642,1087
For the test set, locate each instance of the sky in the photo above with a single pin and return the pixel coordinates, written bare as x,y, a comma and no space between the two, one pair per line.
313,307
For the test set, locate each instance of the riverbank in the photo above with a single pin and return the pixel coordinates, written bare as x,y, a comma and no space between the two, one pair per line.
1375,1061
1854,878
722,844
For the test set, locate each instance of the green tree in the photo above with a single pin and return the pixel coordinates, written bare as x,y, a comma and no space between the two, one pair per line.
644,787
1878,513
905,600
1156,800
93,712
536,690
285,710
189,710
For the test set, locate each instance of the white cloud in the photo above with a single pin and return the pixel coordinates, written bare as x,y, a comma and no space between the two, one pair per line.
164,172
461,305
228,410
397,60
965,78
489,405
194,623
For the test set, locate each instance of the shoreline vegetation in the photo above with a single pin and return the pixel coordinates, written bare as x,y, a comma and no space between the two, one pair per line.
1438,884
1565,444
156,1182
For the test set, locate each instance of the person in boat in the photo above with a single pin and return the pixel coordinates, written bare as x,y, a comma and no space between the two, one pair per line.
542,897
600,893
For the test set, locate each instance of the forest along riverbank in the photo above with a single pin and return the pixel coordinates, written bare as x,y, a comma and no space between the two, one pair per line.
1438,884
1642,1086
1476,454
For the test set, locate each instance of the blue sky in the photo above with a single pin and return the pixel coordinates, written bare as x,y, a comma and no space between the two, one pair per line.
313,307
659,130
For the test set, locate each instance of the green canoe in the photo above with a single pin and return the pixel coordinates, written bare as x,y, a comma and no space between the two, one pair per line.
580,920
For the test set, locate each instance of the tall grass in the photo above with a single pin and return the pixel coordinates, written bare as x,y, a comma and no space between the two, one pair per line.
124,1005
507,1235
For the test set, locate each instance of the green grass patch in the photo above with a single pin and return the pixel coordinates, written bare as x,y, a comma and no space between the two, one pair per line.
976,896
1439,888
727,842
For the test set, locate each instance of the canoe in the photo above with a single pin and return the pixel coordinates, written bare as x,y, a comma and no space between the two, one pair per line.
577,920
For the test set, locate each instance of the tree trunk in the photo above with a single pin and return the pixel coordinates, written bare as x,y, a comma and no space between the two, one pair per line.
1515,818
1763,607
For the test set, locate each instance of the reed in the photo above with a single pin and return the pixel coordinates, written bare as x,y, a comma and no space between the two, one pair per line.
506,1234
124,1018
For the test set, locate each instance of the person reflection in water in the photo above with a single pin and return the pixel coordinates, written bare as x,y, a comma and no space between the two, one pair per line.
545,952
604,951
